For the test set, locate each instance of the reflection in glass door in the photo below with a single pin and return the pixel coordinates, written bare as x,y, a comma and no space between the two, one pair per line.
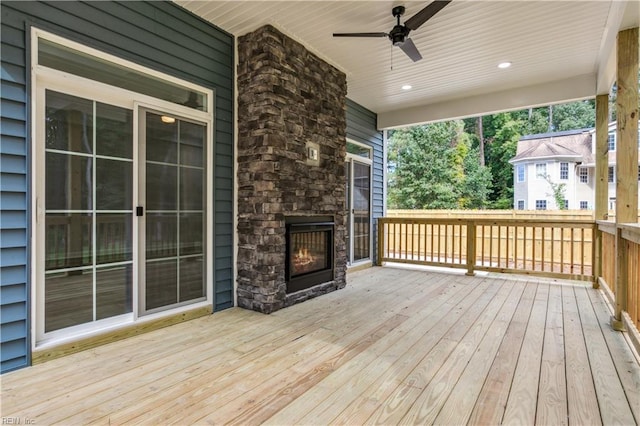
358,174
172,189
88,212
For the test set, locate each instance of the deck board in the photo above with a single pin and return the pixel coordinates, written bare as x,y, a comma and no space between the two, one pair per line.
395,346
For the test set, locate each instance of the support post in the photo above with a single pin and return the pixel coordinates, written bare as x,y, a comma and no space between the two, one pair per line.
601,178
471,247
626,157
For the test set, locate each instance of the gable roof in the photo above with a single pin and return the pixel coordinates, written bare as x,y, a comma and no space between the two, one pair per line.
573,144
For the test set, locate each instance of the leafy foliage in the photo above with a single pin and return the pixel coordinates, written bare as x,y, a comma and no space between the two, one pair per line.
437,166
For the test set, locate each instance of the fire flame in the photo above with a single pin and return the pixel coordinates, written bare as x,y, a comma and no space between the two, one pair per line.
303,257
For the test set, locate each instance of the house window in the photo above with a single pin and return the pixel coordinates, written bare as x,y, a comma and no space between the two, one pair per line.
612,203
566,204
584,205
611,141
520,205
612,174
584,175
541,204
541,171
564,171
520,172
638,173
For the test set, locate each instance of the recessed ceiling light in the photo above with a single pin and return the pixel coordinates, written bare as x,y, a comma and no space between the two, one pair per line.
504,65
406,87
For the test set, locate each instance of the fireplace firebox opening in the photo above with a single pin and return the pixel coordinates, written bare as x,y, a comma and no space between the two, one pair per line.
310,251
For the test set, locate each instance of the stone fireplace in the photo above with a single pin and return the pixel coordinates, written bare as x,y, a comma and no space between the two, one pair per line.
291,179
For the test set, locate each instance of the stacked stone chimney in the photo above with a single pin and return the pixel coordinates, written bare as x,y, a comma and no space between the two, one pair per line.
288,100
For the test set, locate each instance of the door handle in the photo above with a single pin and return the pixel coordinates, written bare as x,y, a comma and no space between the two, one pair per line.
139,211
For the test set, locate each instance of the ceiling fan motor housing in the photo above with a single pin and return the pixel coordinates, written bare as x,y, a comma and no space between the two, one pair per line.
398,35
399,32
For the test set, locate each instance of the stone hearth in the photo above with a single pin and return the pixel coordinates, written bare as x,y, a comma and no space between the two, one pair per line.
289,99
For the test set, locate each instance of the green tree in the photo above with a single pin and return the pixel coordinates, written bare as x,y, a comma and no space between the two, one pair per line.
574,115
433,166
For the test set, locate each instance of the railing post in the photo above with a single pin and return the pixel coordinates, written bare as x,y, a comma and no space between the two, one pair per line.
622,264
596,254
381,237
471,247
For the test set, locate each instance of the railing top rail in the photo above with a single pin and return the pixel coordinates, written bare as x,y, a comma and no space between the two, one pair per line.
519,222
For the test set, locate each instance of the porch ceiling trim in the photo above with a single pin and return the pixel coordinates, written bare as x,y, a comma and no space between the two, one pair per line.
570,89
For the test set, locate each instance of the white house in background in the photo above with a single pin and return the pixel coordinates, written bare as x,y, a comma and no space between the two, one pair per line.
560,158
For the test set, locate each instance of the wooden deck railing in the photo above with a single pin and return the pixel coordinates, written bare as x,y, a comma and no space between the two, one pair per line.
541,247
623,288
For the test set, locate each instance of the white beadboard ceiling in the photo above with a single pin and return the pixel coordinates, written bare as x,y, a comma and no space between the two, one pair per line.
560,50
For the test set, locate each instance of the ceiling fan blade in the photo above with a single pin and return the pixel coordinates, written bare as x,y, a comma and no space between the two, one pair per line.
360,35
411,50
425,14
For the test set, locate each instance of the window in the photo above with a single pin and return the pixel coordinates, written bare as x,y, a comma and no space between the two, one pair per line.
541,171
541,204
359,150
566,204
564,171
612,203
520,204
611,141
584,205
87,65
520,172
612,174
638,173
584,175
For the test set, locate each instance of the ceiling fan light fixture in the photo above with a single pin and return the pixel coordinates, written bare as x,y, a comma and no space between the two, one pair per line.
504,65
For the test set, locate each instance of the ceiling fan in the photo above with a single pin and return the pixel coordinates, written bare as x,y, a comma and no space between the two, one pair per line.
399,33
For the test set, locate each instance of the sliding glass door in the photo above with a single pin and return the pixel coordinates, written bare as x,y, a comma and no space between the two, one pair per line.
358,173
88,214
173,193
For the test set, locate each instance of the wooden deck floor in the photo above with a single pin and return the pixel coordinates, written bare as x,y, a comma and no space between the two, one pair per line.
395,346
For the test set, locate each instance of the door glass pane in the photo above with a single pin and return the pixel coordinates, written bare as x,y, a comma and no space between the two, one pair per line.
162,184
191,278
161,284
162,139
191,185
113,237
362,211
68,240
191,234
69,123
69,182
68,299
114,180
192,138
162,235
114,127
114,291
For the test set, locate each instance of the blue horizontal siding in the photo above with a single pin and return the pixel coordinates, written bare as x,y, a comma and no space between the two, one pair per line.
361,127
12,293
13,238
157,34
